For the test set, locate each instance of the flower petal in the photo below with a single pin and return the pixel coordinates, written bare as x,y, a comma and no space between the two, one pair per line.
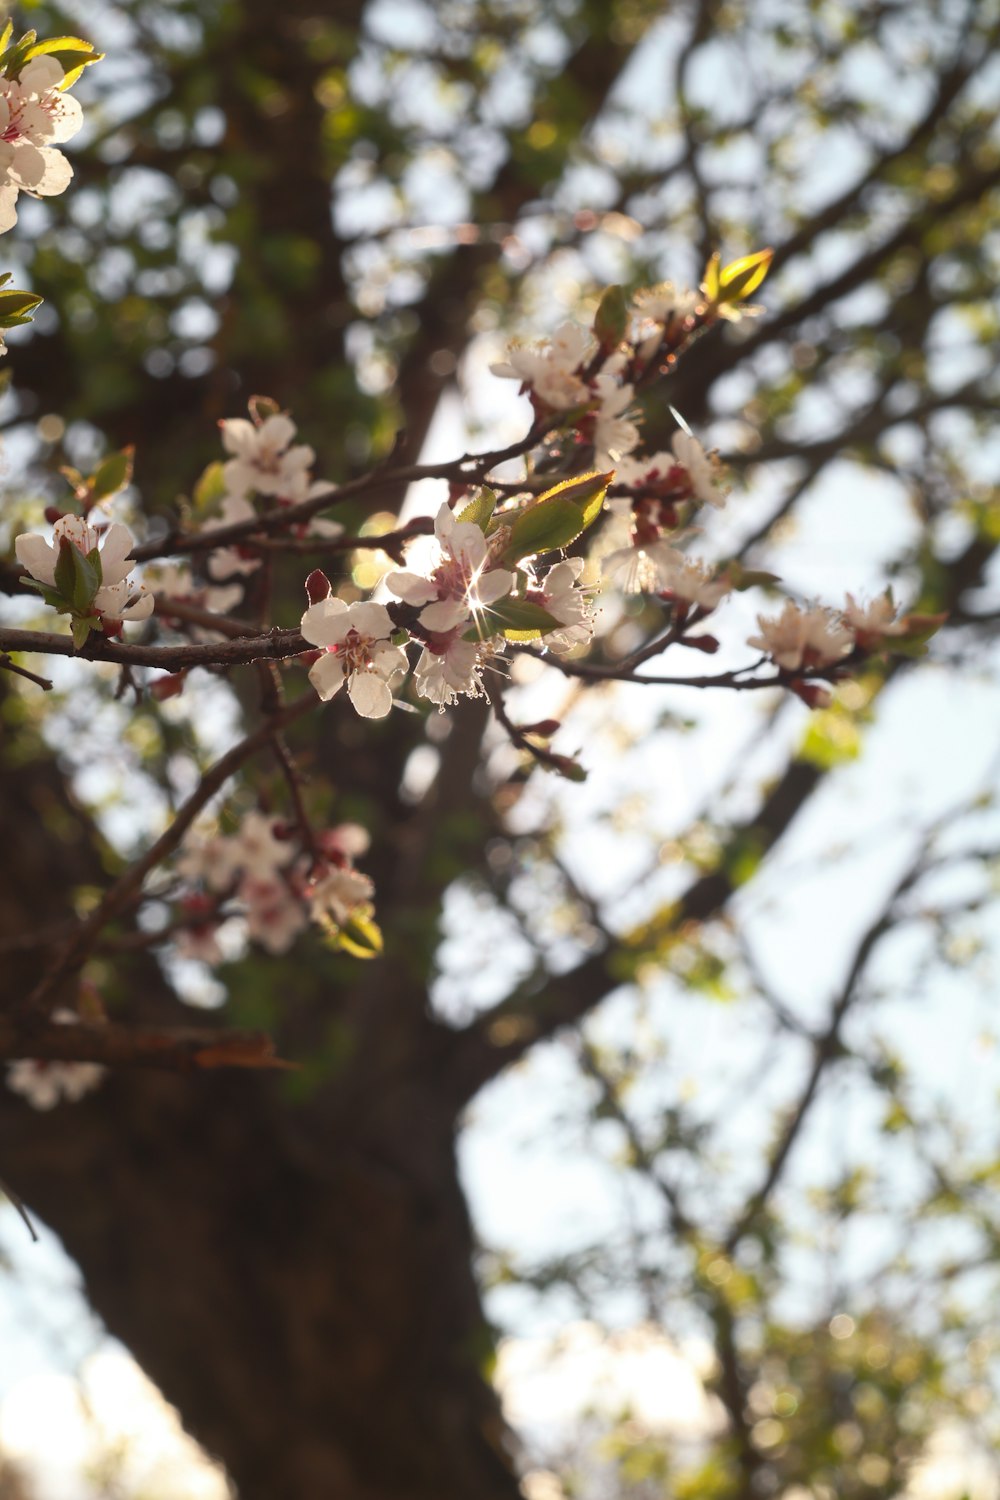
370,695
327,676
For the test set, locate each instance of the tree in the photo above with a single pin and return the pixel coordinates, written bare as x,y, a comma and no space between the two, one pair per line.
291,1259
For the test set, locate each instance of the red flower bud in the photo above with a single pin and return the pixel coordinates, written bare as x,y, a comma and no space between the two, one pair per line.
706,643
168,687
318,586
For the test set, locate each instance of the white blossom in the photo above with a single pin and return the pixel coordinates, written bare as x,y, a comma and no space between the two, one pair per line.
226,562
40,557
46,1084
641,569
34,114
357,651
211,858
797,638
876,619
461,577
274,916
614,435
704,469
550,367
689,578
663,302
442,675
119,598
264,459
564,599
338,893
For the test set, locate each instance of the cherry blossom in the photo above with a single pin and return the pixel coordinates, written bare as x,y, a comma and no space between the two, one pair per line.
687,472
561,594
441,675
34,113
462,576
357,651
119,599
689,579
614,435
45,1084
264,459
274,916
550,367
797,638
40,557
337,893
871,622
226,562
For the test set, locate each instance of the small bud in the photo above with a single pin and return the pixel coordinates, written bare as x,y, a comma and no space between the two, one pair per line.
813,694
53,514
318,586
169,686
706,643
545,727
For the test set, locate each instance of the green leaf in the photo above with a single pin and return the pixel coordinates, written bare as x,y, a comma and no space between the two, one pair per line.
735,282
611,318
360,935
210,488
82,627
558,517
480,510
58,44
77,577
14,305
517,619
112,475
8,32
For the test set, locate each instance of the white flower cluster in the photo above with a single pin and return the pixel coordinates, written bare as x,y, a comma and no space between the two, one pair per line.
819,637
36,114
45,1084
255,874
265,462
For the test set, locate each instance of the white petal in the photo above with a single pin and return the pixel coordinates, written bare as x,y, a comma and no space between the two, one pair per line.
117,545
371,620
370,695
410,587
41,74
445,615
35,554
276,432
493,585
239,436
327,676
325,623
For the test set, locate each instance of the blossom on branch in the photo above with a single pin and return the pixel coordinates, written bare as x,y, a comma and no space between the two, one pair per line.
797,638
463,575
357,650
35,114
551,368
263,458
561,594
105,591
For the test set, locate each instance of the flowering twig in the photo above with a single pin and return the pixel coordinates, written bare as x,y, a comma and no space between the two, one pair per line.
127,886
